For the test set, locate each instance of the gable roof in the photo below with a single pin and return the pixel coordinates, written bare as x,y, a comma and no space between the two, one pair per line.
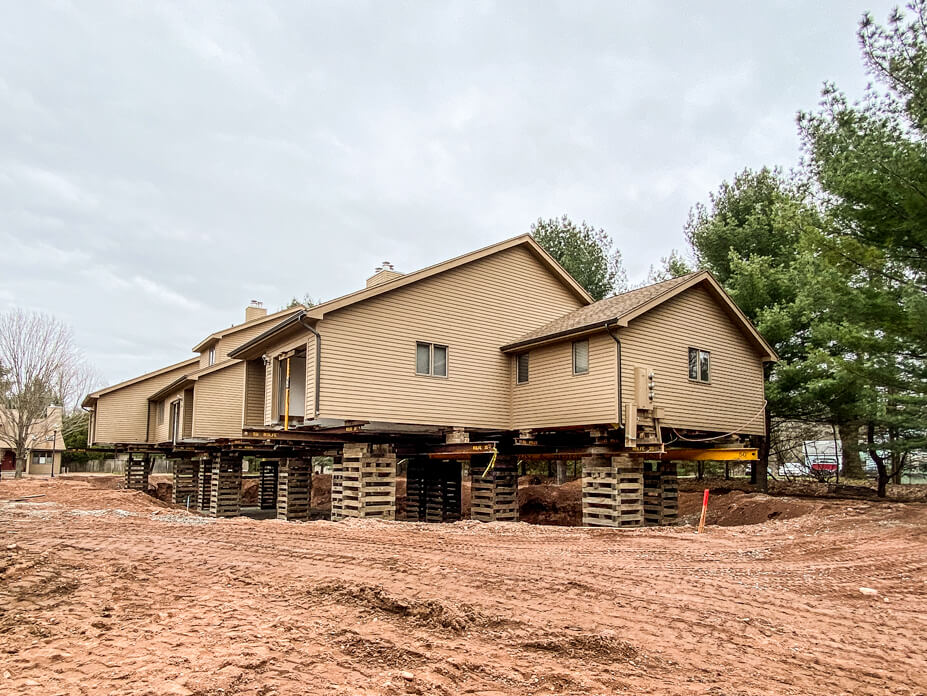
620,309
526,240
93,396
317,312
190,378
213,337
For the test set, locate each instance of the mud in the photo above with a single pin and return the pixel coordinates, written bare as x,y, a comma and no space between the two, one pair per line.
108,591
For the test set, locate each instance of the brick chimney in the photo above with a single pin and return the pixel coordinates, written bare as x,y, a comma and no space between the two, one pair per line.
255,310
383,274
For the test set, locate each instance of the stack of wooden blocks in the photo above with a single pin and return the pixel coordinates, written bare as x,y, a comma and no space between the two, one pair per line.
136,476
416,472
186,478
204,485
225,486
294,485
368,488
337,488
613,491
267,493
442,491
494,496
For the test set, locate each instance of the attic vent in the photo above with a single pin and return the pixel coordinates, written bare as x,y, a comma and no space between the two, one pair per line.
383,274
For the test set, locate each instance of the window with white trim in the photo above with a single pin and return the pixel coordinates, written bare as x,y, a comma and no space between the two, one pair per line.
430,359
521,368
160,411
581,357
699,365
212,355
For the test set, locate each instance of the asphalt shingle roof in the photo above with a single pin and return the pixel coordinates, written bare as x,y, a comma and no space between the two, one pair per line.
607,310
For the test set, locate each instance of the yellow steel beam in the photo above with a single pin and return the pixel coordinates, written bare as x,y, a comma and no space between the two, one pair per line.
724,454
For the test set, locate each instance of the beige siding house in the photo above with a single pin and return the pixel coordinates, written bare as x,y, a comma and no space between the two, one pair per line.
419,349
200,397
46,443
489,357
654,329
443,347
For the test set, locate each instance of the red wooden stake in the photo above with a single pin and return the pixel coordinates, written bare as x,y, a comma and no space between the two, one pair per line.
701,522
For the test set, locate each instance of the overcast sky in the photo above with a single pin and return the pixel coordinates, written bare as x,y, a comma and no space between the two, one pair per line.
163,164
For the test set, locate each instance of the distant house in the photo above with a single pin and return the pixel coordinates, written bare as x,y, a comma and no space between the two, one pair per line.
45,444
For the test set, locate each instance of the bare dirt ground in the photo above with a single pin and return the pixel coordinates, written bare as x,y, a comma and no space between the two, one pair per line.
106,591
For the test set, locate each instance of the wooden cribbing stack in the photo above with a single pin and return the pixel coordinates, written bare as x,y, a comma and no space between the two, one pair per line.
204,486
186,480
136,474
415,489
368,488
267,491
225,486
433,490
661,494
294,485
493,493
613,491
337,488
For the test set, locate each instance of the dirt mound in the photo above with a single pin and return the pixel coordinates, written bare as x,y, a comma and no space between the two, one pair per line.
596,646
551,504
428,612
735,508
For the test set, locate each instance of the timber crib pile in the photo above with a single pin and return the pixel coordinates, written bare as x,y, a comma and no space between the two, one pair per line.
136,474
225,485
368,487
494,496
613,491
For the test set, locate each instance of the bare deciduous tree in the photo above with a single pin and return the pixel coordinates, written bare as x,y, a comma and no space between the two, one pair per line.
40,366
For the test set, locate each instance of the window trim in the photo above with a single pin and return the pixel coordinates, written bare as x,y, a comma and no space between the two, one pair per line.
699,352
518,358
431,360
159,412
211,356
577,373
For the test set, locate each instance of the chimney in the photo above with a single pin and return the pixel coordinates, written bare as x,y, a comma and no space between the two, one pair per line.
255,310
382,274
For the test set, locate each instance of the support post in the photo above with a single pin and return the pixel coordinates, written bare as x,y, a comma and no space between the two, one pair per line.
294,484
661,494
493,496
186,475
136,476
267,491
337,487
225,488
415,489
204,485
613,490
561,472
369,483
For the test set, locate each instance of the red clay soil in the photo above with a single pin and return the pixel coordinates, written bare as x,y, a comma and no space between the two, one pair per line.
113,592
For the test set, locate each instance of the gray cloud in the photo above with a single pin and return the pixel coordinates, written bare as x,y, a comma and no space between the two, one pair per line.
162,164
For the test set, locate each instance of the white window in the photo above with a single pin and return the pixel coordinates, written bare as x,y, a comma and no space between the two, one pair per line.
212,355
699,365
430,359
581,357
521,369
